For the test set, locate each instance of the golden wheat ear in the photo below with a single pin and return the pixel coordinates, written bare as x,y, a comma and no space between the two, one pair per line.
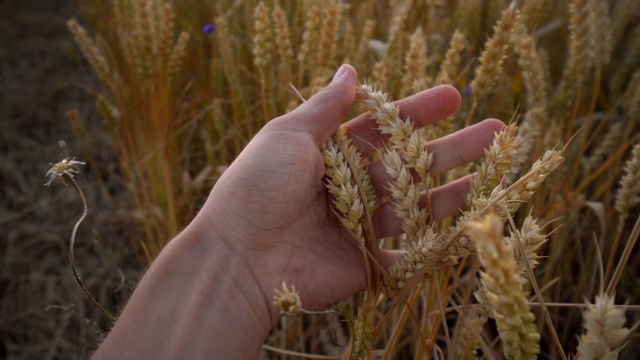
605,334
503,289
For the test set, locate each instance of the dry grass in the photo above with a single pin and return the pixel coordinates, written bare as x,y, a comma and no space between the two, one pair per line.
178,104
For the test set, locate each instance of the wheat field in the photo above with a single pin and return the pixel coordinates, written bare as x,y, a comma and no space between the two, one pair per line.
541,264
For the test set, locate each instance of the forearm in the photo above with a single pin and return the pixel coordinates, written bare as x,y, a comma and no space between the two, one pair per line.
196,301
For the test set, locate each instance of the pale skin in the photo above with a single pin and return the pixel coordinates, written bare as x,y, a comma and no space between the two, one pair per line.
267,220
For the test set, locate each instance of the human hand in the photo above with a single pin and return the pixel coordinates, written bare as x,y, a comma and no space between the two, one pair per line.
267,220
271,209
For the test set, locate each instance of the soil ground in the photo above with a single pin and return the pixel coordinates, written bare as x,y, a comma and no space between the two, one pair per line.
43,313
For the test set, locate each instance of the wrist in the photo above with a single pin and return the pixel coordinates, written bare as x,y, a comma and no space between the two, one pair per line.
198,298
231,294
237,242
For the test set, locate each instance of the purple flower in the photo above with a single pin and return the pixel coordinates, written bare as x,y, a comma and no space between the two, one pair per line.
467,90
208,28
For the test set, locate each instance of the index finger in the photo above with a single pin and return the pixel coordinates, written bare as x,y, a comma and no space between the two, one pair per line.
424,108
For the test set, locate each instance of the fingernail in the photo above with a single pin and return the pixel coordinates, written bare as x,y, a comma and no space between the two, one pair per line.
341,71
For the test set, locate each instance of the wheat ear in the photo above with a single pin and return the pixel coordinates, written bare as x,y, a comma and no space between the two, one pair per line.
96,58
503,288
605,334
494,166
415,64
329,34
601,32
532,238
533,75
262,38
452,61
347,180
177,54
310,35
406,152
283,43
493,55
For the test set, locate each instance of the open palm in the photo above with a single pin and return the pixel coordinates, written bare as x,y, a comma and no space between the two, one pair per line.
271,206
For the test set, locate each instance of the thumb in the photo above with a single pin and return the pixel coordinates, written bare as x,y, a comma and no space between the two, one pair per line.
321,115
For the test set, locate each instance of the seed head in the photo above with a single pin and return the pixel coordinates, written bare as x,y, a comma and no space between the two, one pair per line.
287,300
60,169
